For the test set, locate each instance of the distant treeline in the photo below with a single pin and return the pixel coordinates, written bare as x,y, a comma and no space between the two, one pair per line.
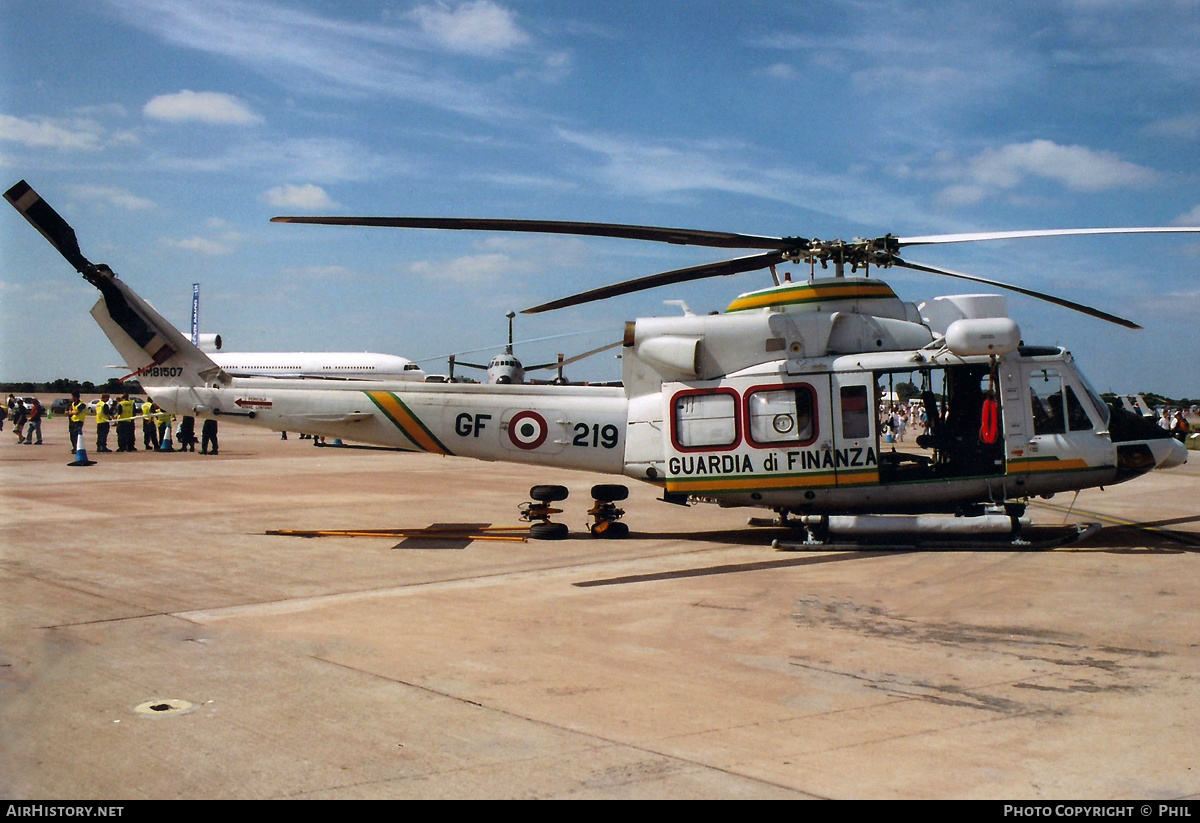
64,386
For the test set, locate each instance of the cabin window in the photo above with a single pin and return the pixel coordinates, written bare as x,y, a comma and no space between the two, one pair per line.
781,416
705,420
856,413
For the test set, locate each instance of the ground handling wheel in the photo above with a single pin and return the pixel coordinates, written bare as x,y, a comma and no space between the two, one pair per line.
548,531
605,515
548,494
538,512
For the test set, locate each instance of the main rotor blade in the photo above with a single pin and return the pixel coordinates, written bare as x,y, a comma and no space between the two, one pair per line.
523,342
49,222
574,359
660,234
972,237
1079,307
721,269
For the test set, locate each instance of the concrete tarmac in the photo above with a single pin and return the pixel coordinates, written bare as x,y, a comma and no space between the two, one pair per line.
155,642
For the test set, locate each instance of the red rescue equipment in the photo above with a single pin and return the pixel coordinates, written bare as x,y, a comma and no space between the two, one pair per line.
989,426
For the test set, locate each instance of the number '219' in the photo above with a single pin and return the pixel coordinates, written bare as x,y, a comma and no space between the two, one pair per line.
595,435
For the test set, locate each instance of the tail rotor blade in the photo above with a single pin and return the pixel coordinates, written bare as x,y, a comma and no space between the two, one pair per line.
49,222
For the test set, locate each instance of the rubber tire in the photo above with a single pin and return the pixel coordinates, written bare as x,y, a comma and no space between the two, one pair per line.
548,494
616,530
609,492
548,531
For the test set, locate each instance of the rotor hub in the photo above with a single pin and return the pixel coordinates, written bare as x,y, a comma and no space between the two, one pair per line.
881,252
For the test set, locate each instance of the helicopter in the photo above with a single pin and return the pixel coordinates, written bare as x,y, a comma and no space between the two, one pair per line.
776,404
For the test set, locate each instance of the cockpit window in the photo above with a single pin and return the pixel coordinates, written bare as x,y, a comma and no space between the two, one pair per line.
1098,403
1056,407
1077,418
1045,391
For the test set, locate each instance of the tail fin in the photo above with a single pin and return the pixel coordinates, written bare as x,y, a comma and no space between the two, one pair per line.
155,351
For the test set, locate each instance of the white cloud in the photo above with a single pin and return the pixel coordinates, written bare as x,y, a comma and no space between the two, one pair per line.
201,245
479,28
661,167
45,132
1076,167
1185,127
307,196
657,168
781,71
964,195
113,196
1191,218
308,52
330,273
200,106
473,268
670,168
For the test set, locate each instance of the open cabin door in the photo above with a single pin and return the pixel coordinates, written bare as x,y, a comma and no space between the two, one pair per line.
950,421
854,429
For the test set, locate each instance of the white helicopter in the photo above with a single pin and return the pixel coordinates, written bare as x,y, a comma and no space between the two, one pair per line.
773,404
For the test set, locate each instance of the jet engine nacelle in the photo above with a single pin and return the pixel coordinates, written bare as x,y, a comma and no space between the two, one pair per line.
208,342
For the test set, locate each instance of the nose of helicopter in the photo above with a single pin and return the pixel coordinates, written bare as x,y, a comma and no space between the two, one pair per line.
1168,453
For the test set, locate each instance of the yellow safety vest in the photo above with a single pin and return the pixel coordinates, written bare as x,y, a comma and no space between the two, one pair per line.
78,412
125,409
146,407
102,411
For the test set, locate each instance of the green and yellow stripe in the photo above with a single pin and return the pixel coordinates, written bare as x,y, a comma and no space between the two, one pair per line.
773,482
408,423
817,291
1050,463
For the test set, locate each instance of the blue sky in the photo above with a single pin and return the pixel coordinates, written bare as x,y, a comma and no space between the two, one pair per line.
169,133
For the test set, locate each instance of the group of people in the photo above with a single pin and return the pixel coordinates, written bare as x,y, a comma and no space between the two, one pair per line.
1176,423
24,414
894,422
156,423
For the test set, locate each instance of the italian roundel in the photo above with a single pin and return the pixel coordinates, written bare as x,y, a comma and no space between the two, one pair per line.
527,430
